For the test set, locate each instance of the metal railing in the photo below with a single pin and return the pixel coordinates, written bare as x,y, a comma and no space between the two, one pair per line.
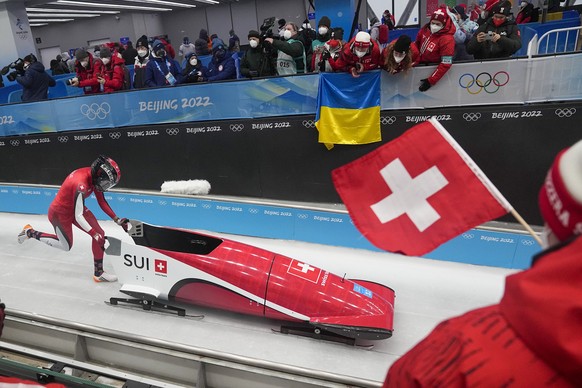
150,361
536,45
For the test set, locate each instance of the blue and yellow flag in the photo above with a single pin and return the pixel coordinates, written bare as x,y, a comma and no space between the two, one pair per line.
348,109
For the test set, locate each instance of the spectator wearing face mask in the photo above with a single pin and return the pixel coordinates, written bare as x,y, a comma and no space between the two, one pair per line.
388,19
194,70
257,62
325,54
360,54
141,61
87,68
323,34
221,66
35,81
400,55
290,51
436,44
162,70
485,11
498,37
186,47
112,75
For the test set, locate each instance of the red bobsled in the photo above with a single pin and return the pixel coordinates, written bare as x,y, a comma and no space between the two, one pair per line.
183,266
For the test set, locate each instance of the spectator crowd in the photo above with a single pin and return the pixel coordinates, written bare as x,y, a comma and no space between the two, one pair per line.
452,34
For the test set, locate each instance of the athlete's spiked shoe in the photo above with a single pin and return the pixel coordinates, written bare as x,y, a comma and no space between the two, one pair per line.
105,277
24,235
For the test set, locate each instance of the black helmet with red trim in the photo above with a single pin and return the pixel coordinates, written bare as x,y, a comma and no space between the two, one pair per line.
105,173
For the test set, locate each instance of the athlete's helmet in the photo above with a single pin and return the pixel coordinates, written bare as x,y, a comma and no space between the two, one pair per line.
105,173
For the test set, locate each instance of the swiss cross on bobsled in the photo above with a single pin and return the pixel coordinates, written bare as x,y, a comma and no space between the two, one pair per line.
183,266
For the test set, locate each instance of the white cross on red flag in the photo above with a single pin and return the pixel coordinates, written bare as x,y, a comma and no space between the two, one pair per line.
417,191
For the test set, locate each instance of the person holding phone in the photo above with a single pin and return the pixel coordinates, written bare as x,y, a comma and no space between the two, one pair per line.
498,37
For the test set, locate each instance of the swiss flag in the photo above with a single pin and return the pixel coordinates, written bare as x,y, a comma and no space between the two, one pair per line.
417,192
161,266
304,270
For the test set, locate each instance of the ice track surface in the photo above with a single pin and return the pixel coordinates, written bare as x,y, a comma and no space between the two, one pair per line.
47,281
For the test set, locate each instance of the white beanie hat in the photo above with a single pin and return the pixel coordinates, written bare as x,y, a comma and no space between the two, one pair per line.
560,198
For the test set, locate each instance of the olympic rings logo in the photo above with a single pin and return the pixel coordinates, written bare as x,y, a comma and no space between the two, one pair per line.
527,242
484,81
253,211
172,131
388,120
237,127
566,112
302,216
15,143
470,116
95,110
308,123
468,236
63,139
115,135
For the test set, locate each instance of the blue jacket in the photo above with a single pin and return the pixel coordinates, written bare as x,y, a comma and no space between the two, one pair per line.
221,69
35,83
157,68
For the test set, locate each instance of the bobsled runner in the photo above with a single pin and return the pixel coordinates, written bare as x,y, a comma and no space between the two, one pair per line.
174,265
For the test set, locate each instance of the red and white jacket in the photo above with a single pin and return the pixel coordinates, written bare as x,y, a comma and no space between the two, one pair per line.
437,48
530,339
347,59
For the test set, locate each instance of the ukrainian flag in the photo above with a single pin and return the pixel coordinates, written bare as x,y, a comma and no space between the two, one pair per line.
348,108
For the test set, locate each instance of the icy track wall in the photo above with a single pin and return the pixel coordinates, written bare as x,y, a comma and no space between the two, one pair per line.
321,226
280,158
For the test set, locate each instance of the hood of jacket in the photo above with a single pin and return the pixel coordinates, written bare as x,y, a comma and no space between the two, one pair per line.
544,307
36,66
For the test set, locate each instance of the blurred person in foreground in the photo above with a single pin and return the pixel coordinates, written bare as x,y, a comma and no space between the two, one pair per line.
68,209
532,337
35,81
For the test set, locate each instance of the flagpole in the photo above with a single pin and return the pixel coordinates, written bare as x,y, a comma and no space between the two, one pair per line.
526,226
483,178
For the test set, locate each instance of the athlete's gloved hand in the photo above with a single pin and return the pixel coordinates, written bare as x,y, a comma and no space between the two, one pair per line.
122,222
424,85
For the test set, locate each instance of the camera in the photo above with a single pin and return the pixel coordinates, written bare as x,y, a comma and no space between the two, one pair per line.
17,65
489,35
266,28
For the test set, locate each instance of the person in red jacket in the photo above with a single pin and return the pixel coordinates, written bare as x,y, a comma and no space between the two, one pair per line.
436,44
68,209
87,68
112,75
532,337
361,53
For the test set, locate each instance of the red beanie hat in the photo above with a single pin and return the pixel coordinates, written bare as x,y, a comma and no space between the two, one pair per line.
440,15
560,197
